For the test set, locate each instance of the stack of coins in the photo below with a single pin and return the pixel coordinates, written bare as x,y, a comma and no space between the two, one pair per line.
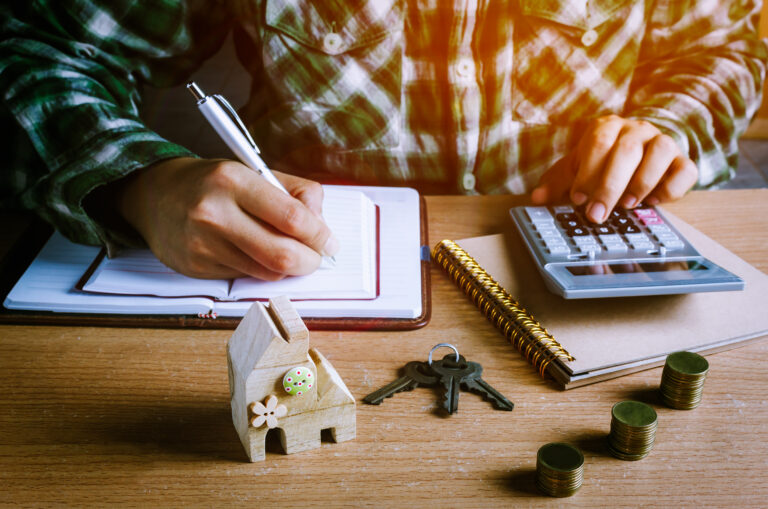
682,380
633,429
559,469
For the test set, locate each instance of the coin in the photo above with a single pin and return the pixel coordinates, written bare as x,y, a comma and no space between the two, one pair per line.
682,380
633,430
559,469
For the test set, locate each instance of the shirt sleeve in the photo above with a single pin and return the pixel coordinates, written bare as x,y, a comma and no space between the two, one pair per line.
70,72
699,79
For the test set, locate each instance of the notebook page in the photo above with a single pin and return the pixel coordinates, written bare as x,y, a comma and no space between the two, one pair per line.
352,217
49,282
400,265
350,214
138,272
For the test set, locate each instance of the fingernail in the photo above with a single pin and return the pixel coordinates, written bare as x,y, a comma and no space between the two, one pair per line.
651,200
539,195
579,198
331,247
628,201
596,212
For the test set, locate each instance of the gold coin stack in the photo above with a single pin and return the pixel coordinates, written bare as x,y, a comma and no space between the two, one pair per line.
682,380
633,430
559,469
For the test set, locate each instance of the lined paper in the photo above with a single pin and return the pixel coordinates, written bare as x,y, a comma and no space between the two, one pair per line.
350,215
49,282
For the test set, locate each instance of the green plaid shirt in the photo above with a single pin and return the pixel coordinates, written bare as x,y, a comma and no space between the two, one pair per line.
450,96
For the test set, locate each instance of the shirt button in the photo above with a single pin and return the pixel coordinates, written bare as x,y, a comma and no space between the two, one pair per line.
469,181
332,43
589,38
464,68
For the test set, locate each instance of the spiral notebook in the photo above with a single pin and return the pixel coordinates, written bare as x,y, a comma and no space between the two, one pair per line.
578,342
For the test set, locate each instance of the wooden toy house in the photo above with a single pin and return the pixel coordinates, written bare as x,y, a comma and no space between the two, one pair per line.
277,381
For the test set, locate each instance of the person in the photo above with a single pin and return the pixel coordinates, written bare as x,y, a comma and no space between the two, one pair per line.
604,103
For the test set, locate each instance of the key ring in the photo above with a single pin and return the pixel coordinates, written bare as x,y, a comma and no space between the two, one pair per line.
455,350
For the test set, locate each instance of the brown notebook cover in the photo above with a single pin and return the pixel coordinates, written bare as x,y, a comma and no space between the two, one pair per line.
18,258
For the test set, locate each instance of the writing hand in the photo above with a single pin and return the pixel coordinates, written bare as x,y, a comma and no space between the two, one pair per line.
220,219
618,161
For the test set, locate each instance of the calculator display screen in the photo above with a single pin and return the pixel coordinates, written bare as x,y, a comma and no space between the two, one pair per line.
634,267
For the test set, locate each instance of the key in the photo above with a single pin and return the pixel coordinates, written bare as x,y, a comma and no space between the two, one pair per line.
451,373
466,375
474,383
416,374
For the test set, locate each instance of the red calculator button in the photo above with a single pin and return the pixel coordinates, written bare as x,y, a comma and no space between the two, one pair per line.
648,221
645,213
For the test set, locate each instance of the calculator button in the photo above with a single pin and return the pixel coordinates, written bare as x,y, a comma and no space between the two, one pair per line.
617,213
539,214
648,221
587,248
659,228
629,229
641,237
566,216
642,245
645,213
671,244
572,223
604,230
621,221
563,209
583,241
555,241
559,250
577,232
615,247
611,238
548,233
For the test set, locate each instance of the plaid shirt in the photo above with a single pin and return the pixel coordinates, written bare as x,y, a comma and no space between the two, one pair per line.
454,96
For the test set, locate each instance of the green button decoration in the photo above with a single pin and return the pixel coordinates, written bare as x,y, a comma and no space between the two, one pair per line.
298,381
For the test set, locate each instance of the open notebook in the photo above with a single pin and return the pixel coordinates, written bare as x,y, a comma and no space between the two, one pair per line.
380,279
349,213
610,337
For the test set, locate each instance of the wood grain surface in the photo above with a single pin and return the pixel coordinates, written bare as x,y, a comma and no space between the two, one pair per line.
104,416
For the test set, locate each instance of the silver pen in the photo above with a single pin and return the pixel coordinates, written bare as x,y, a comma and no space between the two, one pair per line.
227,124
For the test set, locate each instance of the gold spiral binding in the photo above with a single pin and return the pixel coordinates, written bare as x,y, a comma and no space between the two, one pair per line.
525,333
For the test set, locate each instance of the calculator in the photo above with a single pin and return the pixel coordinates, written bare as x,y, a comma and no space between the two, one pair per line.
634,252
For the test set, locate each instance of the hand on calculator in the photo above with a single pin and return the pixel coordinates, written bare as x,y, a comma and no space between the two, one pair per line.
635,252
618,161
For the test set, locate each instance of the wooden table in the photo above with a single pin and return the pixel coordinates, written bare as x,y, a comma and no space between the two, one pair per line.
100,416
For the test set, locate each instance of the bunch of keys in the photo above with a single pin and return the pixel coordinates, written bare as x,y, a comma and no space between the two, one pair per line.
452,373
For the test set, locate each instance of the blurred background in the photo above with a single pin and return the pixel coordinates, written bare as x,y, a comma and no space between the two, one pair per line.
171,112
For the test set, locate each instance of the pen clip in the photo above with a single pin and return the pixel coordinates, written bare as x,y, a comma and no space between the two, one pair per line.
236,119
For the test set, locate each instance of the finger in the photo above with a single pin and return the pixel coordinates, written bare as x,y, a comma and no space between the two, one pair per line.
268,247
309,192
679,179
237,263
624,159
659,154
287,215
554,183
212,257
592,153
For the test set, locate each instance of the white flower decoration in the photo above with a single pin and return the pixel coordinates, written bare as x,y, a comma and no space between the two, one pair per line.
267,412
